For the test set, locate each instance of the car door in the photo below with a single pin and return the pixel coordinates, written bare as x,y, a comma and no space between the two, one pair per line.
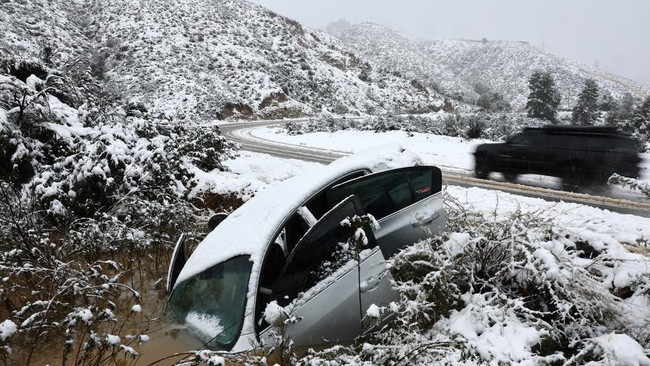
407,203
179,258
321,282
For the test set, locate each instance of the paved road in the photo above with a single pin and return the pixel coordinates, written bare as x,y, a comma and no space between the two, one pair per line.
240,133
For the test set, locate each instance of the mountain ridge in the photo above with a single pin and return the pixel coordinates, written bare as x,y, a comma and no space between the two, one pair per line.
455,67
205,60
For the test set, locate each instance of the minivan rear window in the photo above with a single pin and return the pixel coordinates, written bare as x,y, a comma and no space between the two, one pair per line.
385,193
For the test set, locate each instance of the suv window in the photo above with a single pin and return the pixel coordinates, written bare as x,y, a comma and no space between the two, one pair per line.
521,139
624,145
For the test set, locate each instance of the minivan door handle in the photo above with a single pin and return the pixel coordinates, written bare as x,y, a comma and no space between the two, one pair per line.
372,282
426,220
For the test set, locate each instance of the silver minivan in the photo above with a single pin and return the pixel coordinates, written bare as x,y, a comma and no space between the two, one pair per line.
287,245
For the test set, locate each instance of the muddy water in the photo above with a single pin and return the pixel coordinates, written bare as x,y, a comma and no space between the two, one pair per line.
166,336
165,342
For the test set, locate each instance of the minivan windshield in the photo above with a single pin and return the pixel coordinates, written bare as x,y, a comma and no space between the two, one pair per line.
212,303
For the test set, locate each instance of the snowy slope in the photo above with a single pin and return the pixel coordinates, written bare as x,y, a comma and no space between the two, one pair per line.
211,59
455,67
200,59
29,27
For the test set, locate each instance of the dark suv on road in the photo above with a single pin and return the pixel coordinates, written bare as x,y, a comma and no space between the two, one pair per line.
578,155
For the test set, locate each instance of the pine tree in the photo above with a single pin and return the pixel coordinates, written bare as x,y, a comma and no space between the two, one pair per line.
544,97
586,110
607,102
641,119
622,114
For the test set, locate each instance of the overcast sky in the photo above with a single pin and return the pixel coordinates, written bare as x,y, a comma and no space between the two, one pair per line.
613,34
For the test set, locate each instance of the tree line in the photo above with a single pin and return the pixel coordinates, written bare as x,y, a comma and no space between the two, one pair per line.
629,114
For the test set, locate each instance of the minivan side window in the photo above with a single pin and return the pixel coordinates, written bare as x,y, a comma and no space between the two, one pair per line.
318,204
382,194
423,184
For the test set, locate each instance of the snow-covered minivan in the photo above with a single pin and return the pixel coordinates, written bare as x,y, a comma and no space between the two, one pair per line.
284,247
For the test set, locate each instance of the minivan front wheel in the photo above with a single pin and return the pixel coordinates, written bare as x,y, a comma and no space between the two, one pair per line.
482,168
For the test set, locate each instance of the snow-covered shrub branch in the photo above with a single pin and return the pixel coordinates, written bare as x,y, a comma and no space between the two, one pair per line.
630,183
85,159
523,290
65,286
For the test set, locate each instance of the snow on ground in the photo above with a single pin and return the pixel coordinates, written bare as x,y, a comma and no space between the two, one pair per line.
624,228
451,154
447,152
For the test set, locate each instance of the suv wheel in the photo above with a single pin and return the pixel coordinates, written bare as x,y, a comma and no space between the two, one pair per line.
576,177
570,184
483,167
510,177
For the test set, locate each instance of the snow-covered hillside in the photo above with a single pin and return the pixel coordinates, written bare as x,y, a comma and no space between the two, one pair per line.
205,59
458,67
52,30
210,59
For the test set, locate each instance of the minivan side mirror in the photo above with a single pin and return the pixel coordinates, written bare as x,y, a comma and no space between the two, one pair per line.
215,220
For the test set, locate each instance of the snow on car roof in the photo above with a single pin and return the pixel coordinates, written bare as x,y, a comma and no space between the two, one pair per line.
249,228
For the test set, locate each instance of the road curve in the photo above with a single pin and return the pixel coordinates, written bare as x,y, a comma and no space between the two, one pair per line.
240,132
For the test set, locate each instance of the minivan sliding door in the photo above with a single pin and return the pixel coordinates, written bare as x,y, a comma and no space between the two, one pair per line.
320,282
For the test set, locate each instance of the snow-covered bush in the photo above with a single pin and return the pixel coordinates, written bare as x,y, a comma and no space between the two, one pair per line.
518,291
475,128
85,160
93,193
